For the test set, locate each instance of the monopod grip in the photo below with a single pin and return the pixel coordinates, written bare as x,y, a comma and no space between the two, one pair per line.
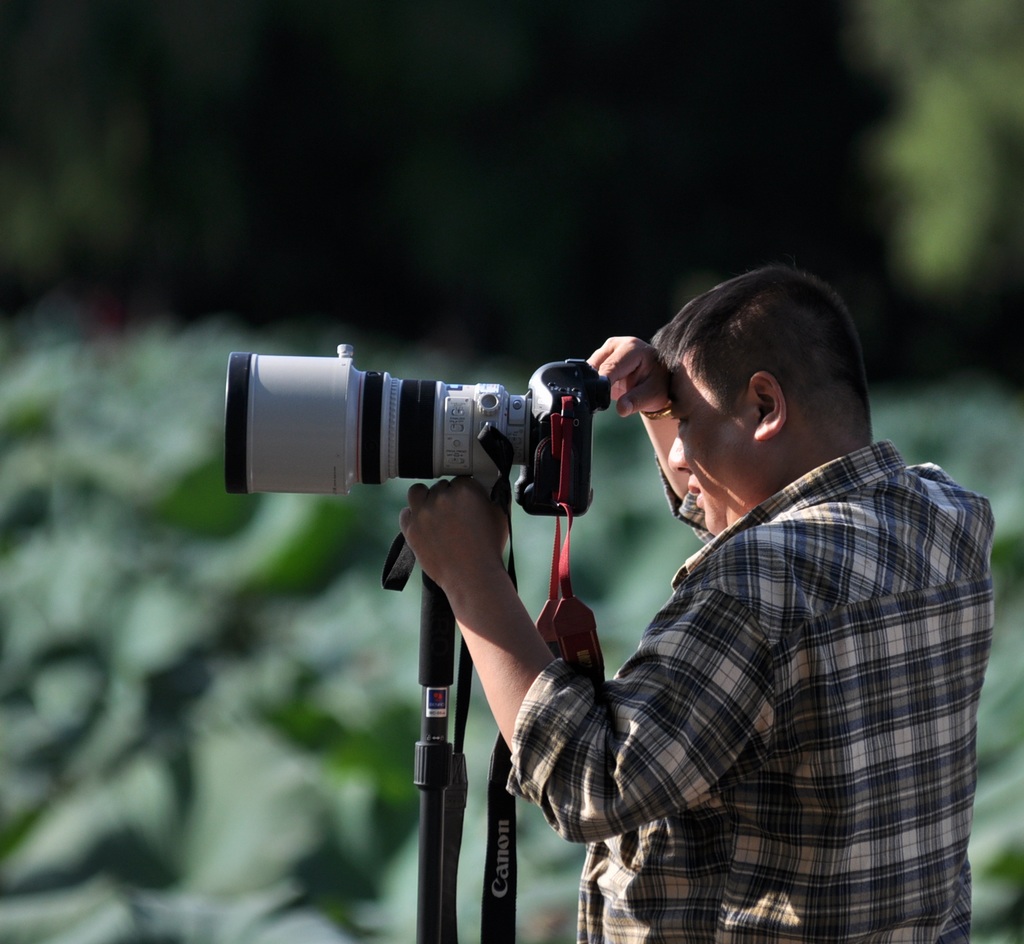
437,637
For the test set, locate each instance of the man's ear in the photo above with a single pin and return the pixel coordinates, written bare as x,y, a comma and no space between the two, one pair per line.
765,395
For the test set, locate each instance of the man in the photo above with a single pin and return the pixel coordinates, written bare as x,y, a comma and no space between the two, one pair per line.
789,753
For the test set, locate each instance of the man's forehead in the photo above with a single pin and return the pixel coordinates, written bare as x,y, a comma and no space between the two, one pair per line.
683,387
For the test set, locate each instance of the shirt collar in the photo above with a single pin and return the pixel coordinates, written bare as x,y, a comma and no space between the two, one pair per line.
825,483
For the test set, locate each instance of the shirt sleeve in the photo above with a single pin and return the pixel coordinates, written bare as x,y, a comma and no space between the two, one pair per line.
691,709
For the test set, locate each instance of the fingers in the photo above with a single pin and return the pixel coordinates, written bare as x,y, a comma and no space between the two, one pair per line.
420,499
639,380
420,494
417,493
416,497
450,520
619,357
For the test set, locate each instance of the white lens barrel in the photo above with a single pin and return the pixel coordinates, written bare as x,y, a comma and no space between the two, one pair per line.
302,424
318,425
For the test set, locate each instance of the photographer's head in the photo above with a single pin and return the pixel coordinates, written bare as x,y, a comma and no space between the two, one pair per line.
768,382
783,321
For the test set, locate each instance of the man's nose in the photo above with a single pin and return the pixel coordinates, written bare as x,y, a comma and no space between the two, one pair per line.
677,455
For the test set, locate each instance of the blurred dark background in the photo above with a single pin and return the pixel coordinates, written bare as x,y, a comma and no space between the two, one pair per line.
523,178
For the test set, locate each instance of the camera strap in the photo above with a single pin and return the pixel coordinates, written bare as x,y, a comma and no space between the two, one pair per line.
498,903
566,623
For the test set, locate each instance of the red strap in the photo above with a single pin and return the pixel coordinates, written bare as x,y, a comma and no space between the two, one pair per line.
567,622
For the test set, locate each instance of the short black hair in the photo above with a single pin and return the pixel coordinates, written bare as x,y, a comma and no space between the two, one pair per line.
781,320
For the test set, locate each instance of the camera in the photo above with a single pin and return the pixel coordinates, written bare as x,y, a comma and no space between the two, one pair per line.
320,425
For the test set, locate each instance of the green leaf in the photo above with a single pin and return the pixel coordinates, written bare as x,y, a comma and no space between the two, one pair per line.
198,502
293,544
256,811
91,913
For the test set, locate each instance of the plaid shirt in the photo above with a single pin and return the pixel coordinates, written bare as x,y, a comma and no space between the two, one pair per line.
789,754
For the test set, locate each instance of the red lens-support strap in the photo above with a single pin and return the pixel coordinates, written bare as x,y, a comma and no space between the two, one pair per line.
566,622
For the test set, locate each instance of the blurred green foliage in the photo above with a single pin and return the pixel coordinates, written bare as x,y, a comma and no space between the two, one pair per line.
948,157
208,705
196,745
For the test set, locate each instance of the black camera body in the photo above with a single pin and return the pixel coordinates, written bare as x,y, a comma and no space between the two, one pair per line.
573,391
320,425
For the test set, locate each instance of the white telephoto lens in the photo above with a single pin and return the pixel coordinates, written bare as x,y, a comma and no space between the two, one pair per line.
292,423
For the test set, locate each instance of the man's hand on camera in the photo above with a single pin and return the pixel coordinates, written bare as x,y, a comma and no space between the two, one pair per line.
640,381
